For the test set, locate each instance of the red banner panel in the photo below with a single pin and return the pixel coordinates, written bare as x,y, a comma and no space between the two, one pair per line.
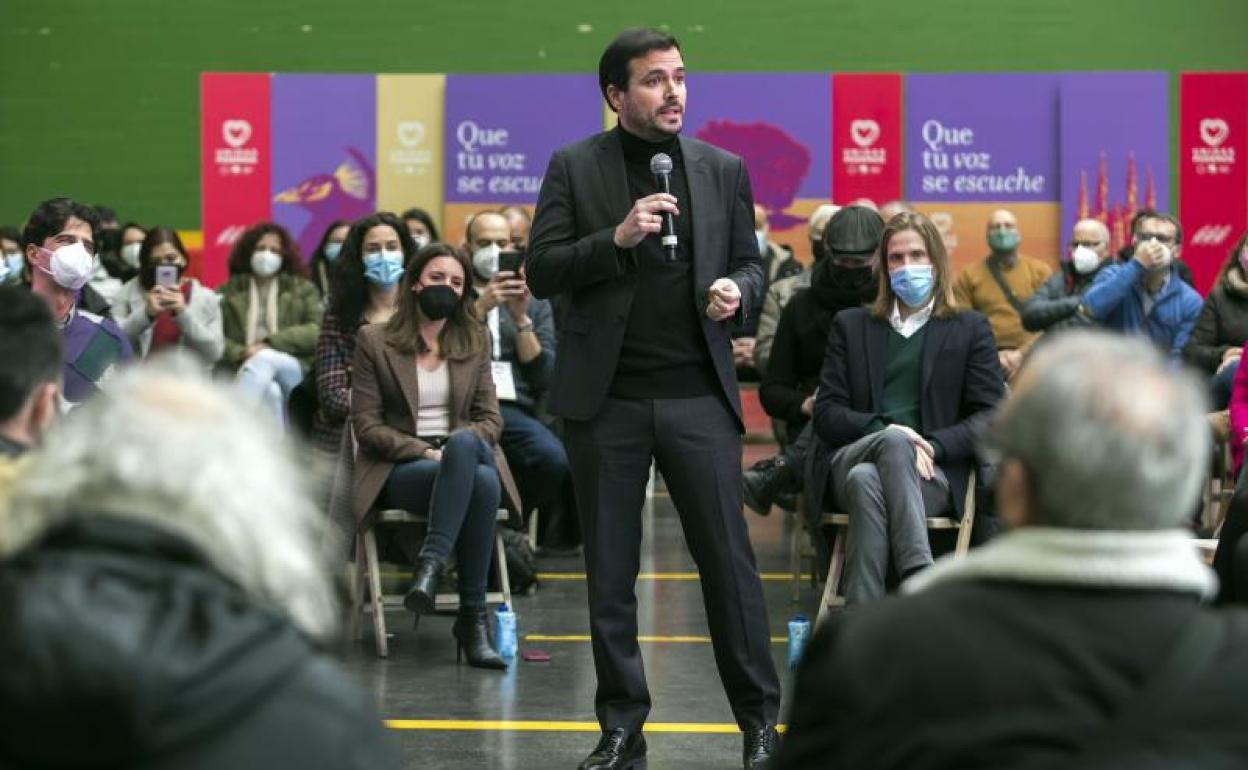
234,163
866,137
1213,168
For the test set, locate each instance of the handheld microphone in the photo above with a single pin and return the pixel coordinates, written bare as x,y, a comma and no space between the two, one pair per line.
661,167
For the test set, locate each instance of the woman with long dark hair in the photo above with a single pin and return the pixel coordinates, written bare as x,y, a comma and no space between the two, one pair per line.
426,418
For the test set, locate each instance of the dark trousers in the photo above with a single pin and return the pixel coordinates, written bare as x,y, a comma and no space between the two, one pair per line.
697,447
1221,385
539,465
461,495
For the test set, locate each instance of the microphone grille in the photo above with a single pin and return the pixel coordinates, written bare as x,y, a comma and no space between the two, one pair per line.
661,163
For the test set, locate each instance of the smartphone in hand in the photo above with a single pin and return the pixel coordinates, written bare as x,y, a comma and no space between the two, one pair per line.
167,275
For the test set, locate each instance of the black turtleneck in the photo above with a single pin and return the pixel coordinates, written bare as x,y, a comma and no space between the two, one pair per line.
664,354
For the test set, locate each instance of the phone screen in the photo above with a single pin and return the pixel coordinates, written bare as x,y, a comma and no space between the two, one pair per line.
166,275
510,261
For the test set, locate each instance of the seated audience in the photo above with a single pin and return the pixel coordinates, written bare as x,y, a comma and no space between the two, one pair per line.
271,316
997,286
375,251
1056,305
1222,326
1127,252
1076,640
778,264
162,308
59,244
30,375
779,293
520,221
522,331
132,236
904,386
326,256
843,279
161,581
1143,296
426,419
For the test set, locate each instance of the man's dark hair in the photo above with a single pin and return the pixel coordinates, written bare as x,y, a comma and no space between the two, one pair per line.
629,45
1143,214
49,218
30,348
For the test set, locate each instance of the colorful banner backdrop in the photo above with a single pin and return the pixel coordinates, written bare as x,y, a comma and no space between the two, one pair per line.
981,138
780,125
1115,149
866,138
324,166
1213,168
500,133
234,163
409,142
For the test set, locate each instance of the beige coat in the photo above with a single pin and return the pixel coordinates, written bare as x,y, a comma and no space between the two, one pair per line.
384,399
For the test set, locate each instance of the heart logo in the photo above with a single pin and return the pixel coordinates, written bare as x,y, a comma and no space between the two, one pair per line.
236,132
1214,131
411,133
943,221
864,132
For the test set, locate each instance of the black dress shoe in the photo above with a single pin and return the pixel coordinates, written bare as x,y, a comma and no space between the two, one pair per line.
764,481
760,743
420,598
618,750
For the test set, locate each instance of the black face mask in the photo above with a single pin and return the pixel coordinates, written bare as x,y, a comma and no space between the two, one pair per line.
437,302
852,278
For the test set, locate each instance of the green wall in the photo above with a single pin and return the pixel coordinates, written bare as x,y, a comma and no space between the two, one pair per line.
99,98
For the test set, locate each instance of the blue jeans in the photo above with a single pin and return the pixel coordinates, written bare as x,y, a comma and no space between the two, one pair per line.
539,464
267,378
460,495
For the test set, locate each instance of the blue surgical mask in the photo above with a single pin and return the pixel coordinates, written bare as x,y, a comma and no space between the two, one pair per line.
332,250
15,261
384,268
912,284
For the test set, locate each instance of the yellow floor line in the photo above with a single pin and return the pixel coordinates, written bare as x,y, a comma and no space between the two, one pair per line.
766,576
542,726
646,639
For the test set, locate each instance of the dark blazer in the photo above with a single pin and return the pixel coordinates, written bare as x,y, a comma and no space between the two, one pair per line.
994,674
385,395
961,383
572,253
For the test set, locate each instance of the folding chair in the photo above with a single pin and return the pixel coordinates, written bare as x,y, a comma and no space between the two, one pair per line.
839,522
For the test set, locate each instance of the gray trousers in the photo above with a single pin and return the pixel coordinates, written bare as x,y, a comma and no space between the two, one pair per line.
874,480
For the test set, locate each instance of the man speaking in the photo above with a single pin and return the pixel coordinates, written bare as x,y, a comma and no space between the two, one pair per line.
645,370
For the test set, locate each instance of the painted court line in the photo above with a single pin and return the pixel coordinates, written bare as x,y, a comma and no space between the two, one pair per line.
767,576
647,639
518,725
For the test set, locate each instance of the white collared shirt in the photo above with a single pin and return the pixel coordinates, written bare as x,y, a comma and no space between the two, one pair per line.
917,320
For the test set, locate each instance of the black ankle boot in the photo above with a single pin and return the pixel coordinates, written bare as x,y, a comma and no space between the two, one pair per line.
420,597
472,640
764,481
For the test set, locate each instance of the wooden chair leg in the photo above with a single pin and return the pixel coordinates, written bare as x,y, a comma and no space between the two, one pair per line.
795,553
833,583
373,569
533,525
504,576
357,591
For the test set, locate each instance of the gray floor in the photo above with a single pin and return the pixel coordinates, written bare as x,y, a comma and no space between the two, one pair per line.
421,681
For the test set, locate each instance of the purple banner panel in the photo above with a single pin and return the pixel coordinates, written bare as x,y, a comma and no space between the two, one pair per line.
324,148
1115,149
502,129
780,124
982,138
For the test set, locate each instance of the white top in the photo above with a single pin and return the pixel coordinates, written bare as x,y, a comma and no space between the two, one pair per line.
433,416
917,320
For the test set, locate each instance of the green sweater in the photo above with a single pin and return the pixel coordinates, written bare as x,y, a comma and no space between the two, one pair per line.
903,382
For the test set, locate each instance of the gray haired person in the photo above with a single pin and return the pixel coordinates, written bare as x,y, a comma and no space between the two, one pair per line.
163,597
1079,638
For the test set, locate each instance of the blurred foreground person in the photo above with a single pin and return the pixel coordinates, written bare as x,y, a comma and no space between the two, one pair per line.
163,599
1078,639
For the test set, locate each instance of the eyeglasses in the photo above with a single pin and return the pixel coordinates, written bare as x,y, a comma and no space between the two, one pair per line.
1150,236
1088,244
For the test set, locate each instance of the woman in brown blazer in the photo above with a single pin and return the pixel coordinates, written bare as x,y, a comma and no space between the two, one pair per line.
426,418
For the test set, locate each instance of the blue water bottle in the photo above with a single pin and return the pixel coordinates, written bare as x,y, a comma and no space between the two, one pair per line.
799,632
505,632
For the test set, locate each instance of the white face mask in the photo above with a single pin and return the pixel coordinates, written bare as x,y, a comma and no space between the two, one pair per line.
421,240
70,266
14,260
1085,260
761,235
485,260
130,254
265,263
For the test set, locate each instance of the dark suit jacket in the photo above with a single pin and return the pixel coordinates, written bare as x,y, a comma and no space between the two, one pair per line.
961,383
385,395
572,253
